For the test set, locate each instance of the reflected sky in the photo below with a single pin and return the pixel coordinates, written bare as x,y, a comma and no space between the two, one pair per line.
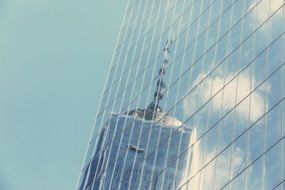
226,77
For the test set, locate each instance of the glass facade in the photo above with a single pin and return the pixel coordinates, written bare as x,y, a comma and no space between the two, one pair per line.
225,79
122,162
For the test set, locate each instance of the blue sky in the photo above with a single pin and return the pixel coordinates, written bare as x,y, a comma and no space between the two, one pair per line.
54,57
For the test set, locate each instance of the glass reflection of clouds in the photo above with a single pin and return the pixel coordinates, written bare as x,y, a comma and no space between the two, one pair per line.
225,79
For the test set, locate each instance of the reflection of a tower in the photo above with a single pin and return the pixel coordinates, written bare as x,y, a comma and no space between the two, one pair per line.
131,152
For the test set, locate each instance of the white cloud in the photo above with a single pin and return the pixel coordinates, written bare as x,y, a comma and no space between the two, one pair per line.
227,98
265,8
219,171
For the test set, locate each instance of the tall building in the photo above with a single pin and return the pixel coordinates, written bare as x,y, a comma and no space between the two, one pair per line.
194,99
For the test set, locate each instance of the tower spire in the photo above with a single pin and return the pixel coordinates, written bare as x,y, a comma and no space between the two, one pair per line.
160,85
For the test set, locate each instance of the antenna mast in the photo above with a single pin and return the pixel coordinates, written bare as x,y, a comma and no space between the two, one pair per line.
161,85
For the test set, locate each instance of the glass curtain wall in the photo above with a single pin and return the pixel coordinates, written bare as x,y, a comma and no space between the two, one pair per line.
225,78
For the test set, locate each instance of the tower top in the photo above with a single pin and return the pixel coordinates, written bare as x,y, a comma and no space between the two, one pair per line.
154,106
153,110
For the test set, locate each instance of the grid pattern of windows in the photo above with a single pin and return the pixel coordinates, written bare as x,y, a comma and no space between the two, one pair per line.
225,77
